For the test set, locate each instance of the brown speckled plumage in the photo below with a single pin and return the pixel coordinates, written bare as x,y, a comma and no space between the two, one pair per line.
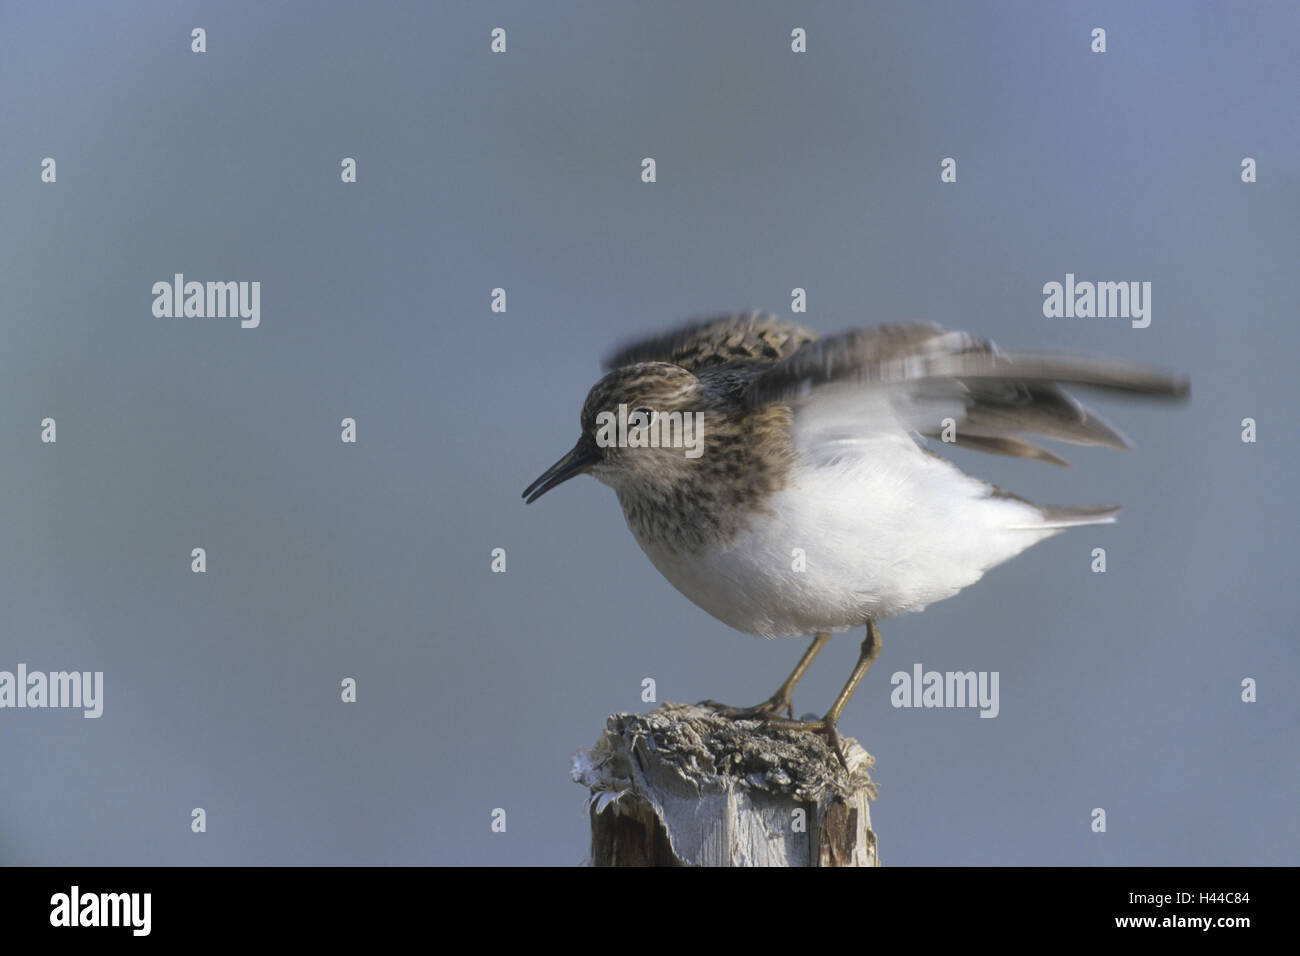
691,502
746,336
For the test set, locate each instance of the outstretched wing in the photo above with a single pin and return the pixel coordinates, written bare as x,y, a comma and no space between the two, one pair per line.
913,377
745,336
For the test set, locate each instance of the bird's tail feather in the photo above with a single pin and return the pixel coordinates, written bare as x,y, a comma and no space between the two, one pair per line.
1071,516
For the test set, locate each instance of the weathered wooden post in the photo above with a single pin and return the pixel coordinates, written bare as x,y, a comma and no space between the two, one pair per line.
681,786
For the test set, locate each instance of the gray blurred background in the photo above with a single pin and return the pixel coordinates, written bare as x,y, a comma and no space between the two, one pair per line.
821,171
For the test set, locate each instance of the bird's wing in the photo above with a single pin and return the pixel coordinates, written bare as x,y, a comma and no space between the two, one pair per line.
910,378
744,336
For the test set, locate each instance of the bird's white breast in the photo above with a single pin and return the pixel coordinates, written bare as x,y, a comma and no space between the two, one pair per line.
882,529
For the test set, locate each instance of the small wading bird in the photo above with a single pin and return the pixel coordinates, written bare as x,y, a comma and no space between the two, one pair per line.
816,444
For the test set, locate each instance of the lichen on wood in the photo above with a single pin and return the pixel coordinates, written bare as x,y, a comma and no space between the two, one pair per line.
682,786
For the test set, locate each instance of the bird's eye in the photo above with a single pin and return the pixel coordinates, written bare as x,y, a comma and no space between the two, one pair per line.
641,417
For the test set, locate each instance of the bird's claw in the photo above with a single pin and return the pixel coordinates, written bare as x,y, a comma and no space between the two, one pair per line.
772,707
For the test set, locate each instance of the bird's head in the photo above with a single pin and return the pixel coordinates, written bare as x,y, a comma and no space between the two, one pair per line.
642,428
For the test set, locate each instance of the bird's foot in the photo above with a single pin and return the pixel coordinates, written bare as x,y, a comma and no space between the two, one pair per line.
774,706
825,727
769,712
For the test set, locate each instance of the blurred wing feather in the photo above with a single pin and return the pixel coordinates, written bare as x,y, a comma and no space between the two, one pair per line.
912,378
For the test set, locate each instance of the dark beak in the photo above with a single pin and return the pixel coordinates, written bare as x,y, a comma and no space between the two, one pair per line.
576,462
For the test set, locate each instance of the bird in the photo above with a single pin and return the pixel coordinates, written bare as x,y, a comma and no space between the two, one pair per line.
784,482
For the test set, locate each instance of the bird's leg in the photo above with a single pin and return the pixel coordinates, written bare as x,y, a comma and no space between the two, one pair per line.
827,725
783,699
